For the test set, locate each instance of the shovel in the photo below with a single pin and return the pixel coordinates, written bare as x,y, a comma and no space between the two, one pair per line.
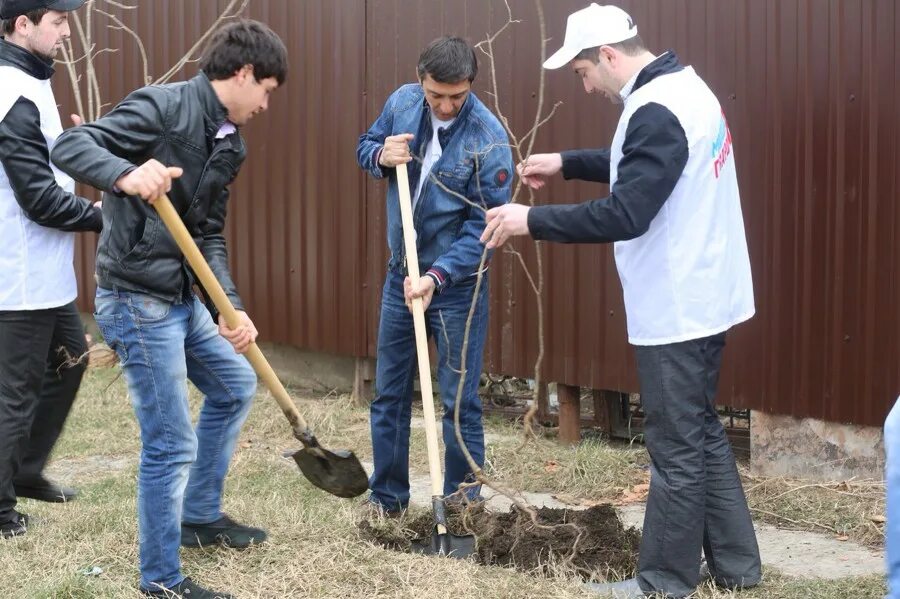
441,542
338,472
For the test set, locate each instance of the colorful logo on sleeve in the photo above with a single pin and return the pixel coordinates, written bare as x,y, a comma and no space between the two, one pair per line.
502,177
721,148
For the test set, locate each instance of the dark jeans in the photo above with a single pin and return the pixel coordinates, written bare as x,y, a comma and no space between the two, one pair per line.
696,498
36,391
391,410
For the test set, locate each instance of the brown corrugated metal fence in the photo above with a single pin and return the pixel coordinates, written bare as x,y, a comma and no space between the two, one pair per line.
810,88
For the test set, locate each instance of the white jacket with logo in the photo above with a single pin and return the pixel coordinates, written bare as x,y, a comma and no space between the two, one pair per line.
38,209
673,212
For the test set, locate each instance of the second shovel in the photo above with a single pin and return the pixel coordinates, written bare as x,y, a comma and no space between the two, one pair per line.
441,542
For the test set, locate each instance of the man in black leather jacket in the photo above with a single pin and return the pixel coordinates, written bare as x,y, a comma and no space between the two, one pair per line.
181,139
40,328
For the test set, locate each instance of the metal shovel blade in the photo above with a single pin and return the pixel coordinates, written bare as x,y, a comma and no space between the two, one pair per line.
445,545
442,543
338,472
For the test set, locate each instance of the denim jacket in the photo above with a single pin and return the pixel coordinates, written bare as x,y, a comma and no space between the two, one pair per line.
476,163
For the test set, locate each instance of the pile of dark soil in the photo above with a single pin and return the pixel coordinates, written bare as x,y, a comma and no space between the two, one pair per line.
591,542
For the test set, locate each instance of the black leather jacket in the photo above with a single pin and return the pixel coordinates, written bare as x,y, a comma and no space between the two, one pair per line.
176,124
26,159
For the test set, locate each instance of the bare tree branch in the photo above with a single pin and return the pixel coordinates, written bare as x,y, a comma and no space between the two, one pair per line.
510,250
145,63
68,53
537,284
87,86
120,5
229,13
85,39
77,61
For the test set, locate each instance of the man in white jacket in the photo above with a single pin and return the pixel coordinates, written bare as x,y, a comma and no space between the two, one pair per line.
39,323
674,215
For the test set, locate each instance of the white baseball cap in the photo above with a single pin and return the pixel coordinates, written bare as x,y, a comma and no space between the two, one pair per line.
591,27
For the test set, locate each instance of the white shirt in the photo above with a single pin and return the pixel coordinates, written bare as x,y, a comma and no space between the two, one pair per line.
433,152
629,86
626,90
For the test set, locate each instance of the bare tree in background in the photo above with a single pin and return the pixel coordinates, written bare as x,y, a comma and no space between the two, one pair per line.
89,100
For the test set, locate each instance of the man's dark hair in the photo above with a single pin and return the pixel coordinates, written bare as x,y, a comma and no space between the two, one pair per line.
8,26
630,47
241,43
448,60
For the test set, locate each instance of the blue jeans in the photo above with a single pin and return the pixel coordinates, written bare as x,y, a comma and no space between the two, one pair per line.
182,469
892,481
391,410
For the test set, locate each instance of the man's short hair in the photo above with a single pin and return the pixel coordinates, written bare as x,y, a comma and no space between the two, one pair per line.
244,42
8,26
448,60
630,47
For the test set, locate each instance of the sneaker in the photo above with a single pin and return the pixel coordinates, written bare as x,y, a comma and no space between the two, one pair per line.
43,490
15,527
186,589
224,531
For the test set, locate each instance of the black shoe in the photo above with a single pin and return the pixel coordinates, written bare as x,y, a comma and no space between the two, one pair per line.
16,527
224,531
187,589
43,490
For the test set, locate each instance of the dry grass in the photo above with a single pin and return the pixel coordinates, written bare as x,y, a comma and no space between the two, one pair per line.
853,509
593,470
779,587
315,550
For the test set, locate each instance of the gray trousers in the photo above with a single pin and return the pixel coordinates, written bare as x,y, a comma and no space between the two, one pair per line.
696,499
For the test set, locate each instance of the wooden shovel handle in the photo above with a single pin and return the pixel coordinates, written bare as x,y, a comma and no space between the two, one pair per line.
215,292
412,267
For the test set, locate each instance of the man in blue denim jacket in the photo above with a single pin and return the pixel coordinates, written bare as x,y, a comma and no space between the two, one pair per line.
460,165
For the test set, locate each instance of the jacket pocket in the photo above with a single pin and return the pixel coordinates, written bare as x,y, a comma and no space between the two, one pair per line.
146,239
453,180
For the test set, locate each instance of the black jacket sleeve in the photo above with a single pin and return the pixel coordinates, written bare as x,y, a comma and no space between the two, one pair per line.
587,165
26,160
213,248
99,153
654,154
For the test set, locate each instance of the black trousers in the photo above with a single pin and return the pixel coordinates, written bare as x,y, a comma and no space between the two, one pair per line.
36,390
696,499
